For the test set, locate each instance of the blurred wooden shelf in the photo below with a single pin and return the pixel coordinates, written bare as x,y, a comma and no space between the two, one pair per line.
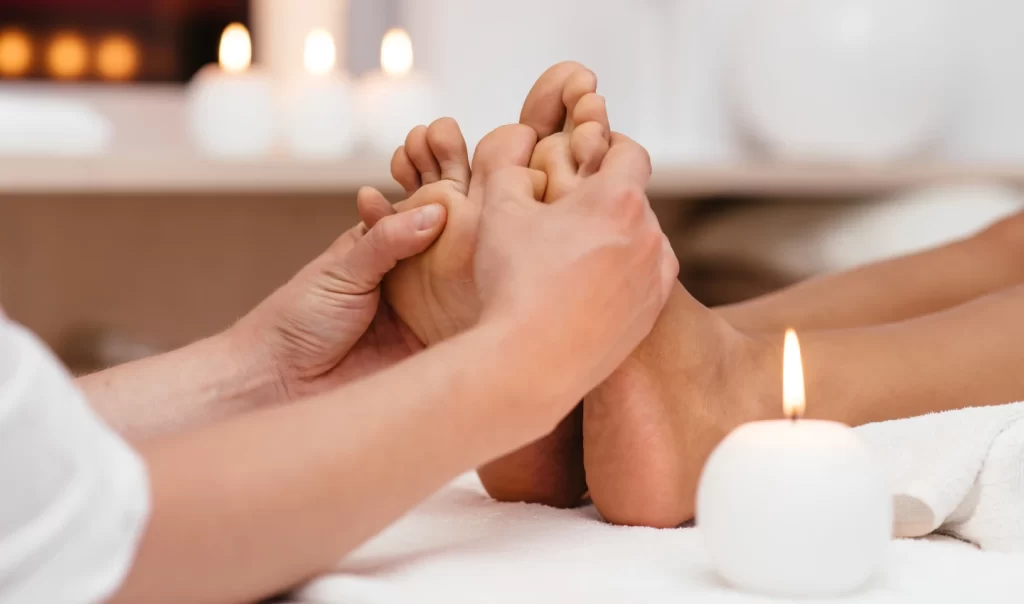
184,175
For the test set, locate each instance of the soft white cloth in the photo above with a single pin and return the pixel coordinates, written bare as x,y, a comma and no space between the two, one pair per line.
959,473
42,125
74,497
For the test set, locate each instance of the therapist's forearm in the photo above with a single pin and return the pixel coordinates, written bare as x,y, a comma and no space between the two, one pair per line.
205,381
246,507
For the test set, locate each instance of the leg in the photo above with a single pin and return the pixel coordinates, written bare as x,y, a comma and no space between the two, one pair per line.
894,289
565,110
649,429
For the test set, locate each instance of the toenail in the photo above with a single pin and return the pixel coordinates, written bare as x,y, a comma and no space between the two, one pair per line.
427,217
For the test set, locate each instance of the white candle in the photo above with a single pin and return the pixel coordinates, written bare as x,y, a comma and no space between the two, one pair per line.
231,105
395,99
794,507
281,26
318,107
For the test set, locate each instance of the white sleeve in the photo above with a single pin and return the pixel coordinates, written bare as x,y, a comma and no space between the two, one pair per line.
74,497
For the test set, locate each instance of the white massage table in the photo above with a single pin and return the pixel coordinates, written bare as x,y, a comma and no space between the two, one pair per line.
460,546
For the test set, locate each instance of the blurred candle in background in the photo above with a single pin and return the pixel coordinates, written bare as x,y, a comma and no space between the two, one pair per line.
117,57
16,53
318,107
231,105
280,28
67,56
395,99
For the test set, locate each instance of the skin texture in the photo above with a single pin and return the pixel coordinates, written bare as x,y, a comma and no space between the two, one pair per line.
244,520
909,343
572,138
325,327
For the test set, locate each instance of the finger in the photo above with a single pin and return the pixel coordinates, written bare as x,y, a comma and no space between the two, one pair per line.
580,84
404,172
392,239
544,110
516,183
372,206
669,269
627,161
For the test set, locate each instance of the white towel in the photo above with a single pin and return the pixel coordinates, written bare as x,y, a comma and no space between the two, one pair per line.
960,473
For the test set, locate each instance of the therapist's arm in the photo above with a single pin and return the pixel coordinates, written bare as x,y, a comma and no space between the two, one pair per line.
243,508
203,382
262,501
294,344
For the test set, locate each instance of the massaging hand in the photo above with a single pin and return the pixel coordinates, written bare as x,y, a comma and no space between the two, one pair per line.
586,276
328,324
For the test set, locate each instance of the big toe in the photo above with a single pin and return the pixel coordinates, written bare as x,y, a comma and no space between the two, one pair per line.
545,107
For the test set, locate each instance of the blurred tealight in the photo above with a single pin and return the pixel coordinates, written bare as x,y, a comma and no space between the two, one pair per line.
319,120
231,104
15,53
117,58
67,56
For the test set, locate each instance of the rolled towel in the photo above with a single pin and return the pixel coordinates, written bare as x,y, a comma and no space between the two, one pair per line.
958,473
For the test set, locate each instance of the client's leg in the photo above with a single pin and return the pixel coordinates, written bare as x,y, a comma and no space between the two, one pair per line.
894,289
649,429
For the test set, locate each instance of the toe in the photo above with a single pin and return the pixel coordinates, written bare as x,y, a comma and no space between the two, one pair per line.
591,107
554,157
372,206
449,148
589,145
422,157
404,172
544,108
507,146
581,84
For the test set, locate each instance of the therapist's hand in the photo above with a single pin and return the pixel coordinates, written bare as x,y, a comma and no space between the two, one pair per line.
578,282
328,325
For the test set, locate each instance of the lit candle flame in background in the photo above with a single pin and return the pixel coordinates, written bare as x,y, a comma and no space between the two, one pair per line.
396,53
15,52
793,399
117,57
235,53
320,54
67,56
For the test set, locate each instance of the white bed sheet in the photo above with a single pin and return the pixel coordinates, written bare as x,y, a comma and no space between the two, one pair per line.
460,546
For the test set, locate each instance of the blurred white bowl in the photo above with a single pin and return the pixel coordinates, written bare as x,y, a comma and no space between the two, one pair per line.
847,80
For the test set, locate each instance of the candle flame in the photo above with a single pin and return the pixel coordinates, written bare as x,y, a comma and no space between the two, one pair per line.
235,53
793,399
320,52
396,53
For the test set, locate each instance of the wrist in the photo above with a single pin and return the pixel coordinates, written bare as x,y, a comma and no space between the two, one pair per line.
251,374
533,383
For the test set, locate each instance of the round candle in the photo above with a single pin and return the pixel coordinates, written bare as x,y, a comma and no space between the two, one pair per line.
395,99
318,107
794,507
231,105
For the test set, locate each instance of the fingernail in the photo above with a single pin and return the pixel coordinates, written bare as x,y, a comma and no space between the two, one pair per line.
427,217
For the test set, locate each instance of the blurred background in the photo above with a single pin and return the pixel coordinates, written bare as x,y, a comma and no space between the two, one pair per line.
165,164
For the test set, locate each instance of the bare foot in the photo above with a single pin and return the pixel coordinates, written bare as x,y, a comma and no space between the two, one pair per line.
434,293
651,426
567,113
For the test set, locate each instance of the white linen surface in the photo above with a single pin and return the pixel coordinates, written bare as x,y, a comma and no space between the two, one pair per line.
959,473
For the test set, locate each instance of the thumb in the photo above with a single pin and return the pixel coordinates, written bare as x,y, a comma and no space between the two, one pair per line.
393,238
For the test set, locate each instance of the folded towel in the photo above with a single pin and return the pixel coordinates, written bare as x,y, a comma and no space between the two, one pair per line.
960,473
